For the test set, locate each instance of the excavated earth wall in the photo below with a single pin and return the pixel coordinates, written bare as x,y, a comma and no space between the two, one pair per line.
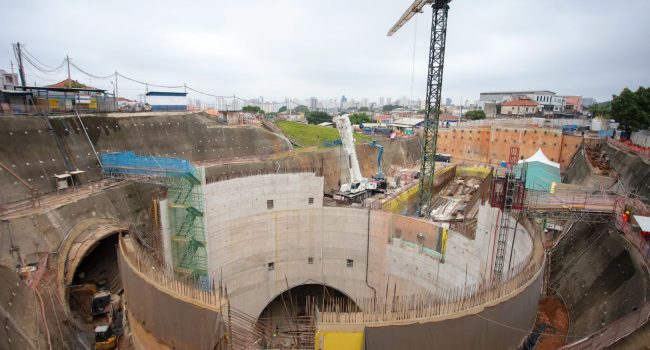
37,148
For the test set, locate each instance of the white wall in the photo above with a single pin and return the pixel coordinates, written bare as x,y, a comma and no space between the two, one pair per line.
244,236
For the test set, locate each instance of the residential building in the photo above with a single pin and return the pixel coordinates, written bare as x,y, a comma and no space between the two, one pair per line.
381,101
519,107
548,101
8,80
573,104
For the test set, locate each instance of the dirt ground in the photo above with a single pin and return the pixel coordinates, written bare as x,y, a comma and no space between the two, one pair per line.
552,312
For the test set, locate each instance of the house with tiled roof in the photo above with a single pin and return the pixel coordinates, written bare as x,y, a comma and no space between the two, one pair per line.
519,107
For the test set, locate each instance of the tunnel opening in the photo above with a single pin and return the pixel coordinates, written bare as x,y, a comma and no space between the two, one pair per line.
97,273
288,321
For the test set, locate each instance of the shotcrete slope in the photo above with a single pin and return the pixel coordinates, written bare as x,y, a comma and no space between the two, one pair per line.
36,148
594,269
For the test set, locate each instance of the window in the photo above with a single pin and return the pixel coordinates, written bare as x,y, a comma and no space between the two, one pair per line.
269,204
311,200
349,263
310,260
271,266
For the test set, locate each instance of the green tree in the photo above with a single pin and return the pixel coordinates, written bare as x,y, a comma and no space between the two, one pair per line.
282,109
300,109
358,118
475,114
253,109
316,117
600,109
363,109
632,109
388,108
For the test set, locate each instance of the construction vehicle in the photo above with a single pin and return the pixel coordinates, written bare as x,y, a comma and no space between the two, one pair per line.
359,187
104,309
105,338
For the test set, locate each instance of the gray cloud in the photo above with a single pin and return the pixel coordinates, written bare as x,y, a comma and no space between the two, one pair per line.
329,48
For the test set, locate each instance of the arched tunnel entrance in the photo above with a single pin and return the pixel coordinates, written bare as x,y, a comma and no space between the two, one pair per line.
288,320
97,271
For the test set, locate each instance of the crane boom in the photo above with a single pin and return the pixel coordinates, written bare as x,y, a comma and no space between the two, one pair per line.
433,97
347,140
416,7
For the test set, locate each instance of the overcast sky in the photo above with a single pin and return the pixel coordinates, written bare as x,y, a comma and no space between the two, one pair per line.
304,48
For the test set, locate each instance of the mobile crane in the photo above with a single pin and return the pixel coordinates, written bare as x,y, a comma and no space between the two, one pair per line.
359,187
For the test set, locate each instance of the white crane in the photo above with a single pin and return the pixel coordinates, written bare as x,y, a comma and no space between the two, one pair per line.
357,184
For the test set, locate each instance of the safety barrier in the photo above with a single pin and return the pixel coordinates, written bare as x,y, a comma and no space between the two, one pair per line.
129,163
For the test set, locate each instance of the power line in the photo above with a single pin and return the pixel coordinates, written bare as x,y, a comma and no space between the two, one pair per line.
91,75
29,54
147,84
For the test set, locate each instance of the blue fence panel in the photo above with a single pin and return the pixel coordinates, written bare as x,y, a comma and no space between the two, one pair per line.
130,163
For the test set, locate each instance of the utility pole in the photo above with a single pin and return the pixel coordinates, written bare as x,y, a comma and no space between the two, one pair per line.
21,67
116,92
67,59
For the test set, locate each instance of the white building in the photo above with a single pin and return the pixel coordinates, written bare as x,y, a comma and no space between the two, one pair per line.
8,80
548,101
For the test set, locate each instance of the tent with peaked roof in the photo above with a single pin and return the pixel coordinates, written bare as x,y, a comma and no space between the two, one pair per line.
541,172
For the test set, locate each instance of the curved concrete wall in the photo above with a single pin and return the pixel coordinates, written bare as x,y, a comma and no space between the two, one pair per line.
173,319
245,236
500,325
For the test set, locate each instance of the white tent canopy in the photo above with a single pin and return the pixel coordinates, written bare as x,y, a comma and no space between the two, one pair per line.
539,156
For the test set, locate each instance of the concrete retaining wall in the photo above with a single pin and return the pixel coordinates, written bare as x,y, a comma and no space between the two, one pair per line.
173,319
245,237
492,144
502,325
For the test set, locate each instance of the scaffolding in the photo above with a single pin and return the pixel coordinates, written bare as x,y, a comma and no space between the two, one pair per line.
511,199
187,223
185,185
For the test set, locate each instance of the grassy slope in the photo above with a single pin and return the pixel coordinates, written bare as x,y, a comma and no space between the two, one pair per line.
314,135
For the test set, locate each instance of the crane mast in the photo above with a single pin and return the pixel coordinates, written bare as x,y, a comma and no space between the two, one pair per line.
433,97
347,140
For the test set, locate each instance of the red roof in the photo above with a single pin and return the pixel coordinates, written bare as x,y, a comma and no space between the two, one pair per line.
522,102
70,83
449,117
382,117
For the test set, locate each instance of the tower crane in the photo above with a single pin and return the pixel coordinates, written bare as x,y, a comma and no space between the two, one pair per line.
434,89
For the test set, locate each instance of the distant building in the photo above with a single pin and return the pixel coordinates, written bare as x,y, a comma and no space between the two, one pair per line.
167,101
548,101
520,107
447,101
313,104
8,80
344,102
573,104
381,101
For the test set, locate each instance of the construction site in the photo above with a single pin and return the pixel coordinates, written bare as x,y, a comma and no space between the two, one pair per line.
186,230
